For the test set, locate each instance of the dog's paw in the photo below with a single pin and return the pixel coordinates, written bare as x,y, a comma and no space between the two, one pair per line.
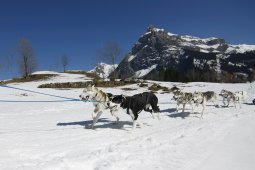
92,127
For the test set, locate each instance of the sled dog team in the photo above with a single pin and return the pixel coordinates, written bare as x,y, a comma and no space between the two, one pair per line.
148,101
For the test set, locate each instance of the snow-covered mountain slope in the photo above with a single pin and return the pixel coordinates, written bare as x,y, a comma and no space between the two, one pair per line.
103,70
48,135
166,51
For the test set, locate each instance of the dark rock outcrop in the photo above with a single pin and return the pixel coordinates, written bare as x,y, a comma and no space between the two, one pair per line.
158,55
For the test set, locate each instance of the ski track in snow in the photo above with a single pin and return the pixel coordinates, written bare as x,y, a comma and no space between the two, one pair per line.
52,135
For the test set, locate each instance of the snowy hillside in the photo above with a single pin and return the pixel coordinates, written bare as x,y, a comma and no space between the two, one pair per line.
51,135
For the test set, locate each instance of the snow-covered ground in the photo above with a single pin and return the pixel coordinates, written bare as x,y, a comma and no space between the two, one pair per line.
51,135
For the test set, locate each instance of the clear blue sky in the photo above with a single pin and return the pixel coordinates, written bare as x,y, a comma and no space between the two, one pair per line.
78,28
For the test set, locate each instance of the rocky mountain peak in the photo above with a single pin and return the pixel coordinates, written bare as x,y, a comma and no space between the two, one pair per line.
158,50
103,70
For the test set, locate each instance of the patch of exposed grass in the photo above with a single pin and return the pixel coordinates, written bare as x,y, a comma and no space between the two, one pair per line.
157,87
66,85
33,77
88,74
128,89
85,84
143,85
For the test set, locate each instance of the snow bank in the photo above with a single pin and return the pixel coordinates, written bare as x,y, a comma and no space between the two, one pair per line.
45,72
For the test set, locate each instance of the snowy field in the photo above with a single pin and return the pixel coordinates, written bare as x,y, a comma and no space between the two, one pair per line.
56,135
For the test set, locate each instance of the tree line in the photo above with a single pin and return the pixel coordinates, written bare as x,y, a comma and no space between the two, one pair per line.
196,75
27,62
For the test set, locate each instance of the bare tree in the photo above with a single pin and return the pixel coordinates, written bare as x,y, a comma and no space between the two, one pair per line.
110,53
27,58
64,62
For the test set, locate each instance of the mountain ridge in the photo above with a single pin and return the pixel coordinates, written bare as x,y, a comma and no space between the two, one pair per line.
158,55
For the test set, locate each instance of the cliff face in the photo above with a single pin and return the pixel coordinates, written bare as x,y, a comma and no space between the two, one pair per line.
160,55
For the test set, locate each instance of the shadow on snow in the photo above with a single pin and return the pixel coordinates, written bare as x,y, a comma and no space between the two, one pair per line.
106,124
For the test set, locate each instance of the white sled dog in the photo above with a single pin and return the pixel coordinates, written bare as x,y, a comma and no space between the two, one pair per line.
203,97
182,98
100,100
229,96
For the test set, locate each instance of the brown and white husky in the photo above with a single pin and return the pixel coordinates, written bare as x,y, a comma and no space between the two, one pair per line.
100,100
204,97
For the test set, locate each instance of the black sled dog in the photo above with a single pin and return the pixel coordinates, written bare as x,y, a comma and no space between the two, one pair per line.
135,104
